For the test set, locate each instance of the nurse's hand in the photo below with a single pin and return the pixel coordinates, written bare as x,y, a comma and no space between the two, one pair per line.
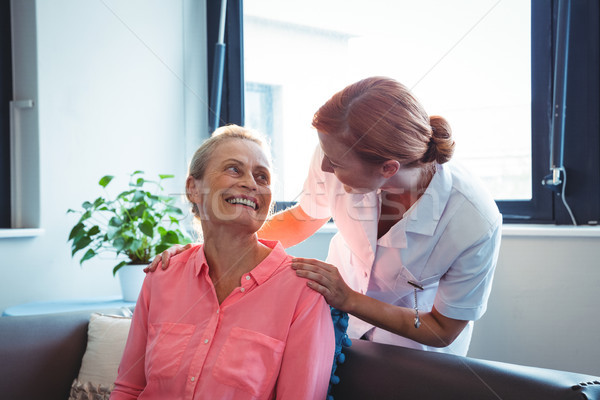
325,279
164,257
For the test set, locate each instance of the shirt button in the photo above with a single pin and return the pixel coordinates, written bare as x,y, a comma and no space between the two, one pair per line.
242,290
247,277
218,311
192,379
205,341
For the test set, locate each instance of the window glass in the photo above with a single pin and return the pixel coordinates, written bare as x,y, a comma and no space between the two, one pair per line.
466,60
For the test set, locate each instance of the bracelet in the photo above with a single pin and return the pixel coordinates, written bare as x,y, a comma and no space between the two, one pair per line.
416,287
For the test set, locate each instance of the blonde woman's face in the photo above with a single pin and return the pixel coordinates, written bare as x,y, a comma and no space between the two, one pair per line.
236,186
356,175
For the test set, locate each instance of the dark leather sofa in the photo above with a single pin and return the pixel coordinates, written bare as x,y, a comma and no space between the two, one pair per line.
378,371
41,355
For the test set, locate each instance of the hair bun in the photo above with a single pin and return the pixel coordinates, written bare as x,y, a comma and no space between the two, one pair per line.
441,144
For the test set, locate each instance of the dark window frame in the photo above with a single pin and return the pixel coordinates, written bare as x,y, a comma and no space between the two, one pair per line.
539,208
6,94
582,124
232,97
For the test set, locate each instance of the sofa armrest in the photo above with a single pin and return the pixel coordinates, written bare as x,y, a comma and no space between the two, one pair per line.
41,354
379,371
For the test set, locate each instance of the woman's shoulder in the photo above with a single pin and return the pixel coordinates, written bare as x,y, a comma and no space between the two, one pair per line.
288,282
178,262
186,254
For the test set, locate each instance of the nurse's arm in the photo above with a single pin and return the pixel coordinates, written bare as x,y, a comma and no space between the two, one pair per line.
290,226
436,330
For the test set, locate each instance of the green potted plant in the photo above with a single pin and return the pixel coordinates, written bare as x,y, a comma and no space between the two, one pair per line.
138,223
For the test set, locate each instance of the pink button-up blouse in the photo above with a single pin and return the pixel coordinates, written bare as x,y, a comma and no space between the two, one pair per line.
272,337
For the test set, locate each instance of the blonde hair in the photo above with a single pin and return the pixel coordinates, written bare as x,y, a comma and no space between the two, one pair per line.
379,119
202,156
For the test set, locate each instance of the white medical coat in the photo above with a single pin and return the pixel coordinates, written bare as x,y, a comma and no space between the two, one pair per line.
448,242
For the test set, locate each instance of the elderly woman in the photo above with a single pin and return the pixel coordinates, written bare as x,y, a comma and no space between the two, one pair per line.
231,320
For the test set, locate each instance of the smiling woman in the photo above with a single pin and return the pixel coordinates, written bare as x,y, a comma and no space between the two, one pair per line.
243,325
234,183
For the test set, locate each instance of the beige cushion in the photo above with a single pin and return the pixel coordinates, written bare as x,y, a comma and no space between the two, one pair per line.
107,335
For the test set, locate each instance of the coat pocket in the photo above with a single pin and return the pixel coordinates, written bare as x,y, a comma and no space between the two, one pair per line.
249,361
166,345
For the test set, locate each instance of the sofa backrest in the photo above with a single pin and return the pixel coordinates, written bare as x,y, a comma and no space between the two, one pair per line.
379,371
40,355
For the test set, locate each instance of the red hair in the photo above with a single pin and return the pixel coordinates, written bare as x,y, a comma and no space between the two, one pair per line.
379,119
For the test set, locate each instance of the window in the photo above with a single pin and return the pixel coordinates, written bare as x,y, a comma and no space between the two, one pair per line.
21,173
485,66
312,56
5,98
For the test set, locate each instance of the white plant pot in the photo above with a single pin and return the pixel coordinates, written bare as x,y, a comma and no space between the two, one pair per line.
131,277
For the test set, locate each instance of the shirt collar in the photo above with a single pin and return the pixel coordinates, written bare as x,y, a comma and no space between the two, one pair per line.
200,266
262,272
424,216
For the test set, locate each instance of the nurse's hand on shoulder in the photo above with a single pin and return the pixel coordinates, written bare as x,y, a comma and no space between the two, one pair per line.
164,257
325,279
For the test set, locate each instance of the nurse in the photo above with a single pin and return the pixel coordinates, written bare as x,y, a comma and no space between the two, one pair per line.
418,236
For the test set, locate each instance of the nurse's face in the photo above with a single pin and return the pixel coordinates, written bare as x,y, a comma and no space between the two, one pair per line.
356,175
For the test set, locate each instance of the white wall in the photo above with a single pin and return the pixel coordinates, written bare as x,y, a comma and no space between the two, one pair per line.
543,310
114,94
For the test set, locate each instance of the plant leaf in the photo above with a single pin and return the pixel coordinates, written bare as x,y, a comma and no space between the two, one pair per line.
80,243
115,221
105,180
118,266
85,215
77,230
174,210
127,244
98,202
88,254
171,237
147,228
137,211
138,183
162,247
112,231
136,245
166,176
138,196
119,243
124,194
94,230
